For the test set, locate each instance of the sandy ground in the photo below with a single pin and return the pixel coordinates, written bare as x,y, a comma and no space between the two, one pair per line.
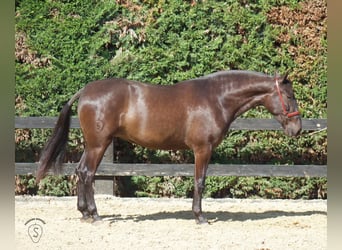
163,223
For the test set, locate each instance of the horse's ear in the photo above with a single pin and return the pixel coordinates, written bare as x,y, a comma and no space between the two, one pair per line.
280,78
285,76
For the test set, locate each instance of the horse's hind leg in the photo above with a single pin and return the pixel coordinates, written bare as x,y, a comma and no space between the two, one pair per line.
81,199
86,172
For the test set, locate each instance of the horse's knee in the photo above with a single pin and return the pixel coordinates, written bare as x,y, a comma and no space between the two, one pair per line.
200,184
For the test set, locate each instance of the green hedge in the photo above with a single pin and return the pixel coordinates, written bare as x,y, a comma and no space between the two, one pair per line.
62,45
233,187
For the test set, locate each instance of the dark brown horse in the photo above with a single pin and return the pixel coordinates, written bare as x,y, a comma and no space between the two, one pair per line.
194,114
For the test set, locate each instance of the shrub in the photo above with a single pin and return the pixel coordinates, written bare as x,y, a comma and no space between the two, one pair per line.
62,45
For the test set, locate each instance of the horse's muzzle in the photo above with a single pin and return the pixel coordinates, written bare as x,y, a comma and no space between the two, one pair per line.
293,128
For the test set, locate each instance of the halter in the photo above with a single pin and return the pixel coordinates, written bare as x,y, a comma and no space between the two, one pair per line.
289,115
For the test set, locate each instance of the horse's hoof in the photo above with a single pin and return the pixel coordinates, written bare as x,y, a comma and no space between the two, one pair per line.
97,222
87,219
97,218
201,221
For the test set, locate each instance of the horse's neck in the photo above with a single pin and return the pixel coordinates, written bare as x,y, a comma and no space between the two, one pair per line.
239,98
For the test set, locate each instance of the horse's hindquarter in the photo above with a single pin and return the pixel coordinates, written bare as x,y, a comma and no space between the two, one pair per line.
100,106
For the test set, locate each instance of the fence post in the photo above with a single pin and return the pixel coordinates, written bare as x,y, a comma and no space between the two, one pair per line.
105,184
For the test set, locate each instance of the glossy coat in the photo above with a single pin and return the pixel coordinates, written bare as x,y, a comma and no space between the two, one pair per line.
193,114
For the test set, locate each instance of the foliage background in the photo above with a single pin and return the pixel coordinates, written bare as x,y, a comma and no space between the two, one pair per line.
63,45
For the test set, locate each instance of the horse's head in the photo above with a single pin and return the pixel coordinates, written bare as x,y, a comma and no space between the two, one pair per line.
283,105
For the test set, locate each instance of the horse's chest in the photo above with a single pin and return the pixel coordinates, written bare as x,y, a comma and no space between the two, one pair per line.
201,124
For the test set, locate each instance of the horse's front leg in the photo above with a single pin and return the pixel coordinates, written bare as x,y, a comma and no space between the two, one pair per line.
202,157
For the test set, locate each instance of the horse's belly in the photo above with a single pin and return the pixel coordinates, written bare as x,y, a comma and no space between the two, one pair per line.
154,137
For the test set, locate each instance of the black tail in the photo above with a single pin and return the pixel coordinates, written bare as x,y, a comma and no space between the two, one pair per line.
53,152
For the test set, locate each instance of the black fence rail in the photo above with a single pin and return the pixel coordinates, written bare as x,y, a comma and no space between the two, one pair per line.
238,124
104,182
